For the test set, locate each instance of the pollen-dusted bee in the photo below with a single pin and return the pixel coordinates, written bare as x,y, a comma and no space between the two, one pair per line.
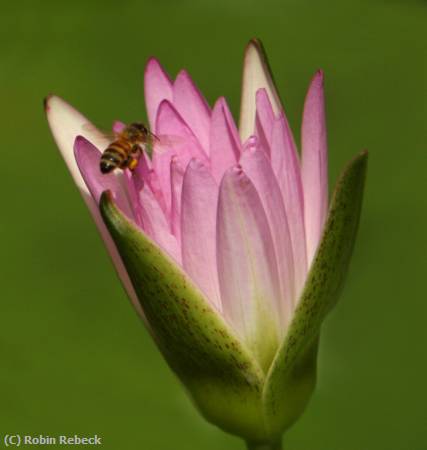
125,150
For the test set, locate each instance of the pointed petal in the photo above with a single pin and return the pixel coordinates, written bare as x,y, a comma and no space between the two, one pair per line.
247,266
66,124
217,369
293,372
192,106
314,163
157,87
256,75
198,219
169,122
224,140
183,141
286,167
257,167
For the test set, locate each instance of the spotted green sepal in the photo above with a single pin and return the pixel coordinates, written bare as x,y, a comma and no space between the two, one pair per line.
292,376
219,373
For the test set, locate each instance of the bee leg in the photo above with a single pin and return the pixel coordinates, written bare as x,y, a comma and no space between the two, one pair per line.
132,164
134,156
136,151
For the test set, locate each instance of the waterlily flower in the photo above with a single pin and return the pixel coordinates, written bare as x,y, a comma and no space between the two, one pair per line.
225,240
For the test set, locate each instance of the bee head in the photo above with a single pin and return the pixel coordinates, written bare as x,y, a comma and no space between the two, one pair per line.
140,127
137,130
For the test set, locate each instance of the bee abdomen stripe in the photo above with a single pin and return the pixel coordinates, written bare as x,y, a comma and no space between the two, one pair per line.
112,156
118,149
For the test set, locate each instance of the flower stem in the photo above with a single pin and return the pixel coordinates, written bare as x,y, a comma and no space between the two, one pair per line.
276,445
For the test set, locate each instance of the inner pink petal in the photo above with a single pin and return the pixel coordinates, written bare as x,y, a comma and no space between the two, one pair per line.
257,167
193,107
264,120
156,225
225,145
285,164
157,87
177,176
264,113
247,266
142,172
198,228
314,163
170,124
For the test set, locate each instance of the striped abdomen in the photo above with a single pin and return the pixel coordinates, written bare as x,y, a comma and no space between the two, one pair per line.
115,156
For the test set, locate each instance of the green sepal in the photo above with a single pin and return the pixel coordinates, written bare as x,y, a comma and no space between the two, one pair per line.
220,374
292,376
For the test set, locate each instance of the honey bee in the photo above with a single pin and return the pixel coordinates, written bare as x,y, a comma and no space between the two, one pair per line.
126,148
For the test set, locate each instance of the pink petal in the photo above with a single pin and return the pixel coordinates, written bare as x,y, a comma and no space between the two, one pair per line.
87,157
150,214
142,172
264,121
224,140
314,163
161,166
133,188
257,167
169,122
247,267
198,222
287,149
256,75
251,142
284,162
145,174
66,124
193,107
154,183
157,87
156,224
264,113
177,177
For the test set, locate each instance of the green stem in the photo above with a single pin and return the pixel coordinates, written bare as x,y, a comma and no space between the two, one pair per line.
277,445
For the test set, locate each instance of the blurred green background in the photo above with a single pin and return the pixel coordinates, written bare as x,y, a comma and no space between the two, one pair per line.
74,356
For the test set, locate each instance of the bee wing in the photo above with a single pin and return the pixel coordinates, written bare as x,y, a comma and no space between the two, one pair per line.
90,127
164,142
